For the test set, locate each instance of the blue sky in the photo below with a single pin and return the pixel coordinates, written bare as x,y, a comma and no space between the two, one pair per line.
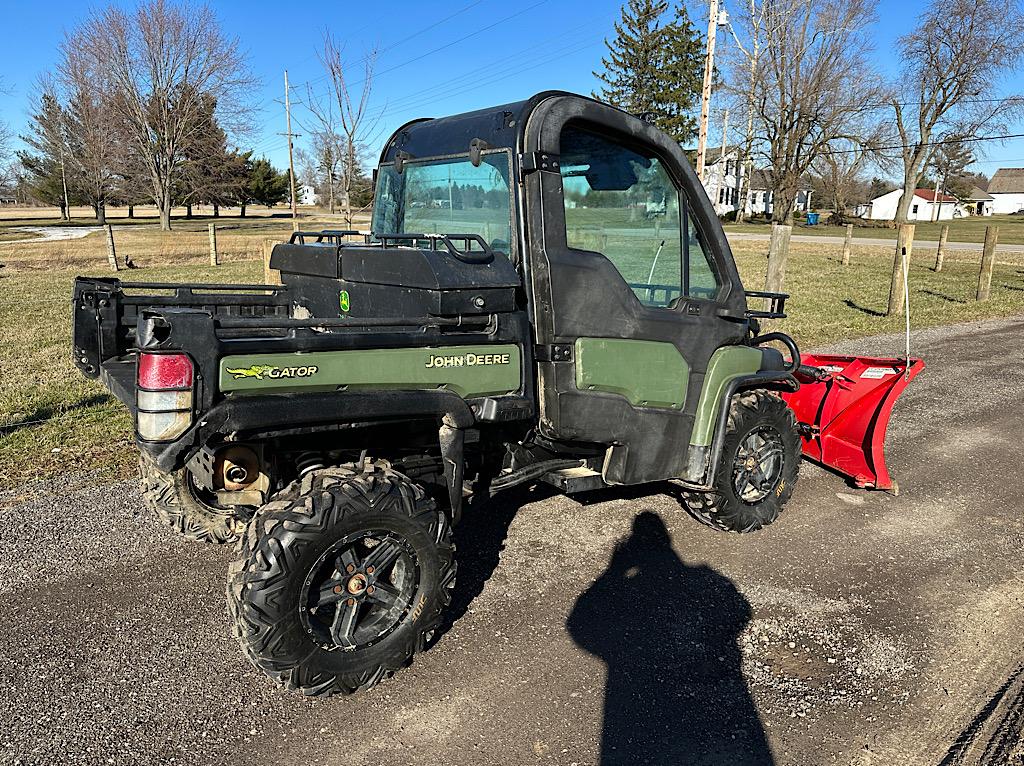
487,52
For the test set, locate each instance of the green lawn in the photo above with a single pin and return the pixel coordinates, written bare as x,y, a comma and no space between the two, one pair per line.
82,427
971,229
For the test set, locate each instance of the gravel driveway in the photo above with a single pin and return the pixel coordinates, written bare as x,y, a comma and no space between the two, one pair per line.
861,628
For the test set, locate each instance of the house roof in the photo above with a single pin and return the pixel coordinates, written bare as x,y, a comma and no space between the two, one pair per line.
1007,181
759,181
928,195
978,194
711,156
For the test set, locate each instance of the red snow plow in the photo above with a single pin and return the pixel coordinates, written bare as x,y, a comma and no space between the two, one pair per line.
843,408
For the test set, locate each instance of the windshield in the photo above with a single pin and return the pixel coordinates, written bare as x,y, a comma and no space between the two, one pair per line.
447,196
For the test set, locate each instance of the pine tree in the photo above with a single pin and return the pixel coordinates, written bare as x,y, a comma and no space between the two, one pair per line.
46,168
653,70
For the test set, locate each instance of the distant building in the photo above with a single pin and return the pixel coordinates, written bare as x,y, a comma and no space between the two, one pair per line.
724,174
977,202
307,195
1007,190
925,206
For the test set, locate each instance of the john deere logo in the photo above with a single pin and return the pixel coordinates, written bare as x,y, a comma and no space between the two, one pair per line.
262,372
467,360
343,301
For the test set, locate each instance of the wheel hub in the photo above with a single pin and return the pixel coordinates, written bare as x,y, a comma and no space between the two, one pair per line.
357,584
359,590
758,464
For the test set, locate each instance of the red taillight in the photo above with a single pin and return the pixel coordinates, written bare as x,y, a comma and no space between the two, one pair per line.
160,372
164,396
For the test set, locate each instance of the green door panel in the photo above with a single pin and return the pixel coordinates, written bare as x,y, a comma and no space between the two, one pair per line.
726,363
464,370
647,373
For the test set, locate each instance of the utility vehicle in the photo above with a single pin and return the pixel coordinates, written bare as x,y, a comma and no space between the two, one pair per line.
517,315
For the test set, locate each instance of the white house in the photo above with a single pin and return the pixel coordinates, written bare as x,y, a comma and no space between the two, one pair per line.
977,202
307,195
1007,190
723,176
924,207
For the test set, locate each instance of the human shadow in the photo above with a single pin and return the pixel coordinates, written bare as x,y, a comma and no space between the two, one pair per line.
667,632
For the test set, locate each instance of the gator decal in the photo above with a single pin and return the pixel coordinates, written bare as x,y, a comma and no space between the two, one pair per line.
258,371
487,370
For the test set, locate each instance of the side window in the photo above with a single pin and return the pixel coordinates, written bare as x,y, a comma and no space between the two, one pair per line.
621,202
698,274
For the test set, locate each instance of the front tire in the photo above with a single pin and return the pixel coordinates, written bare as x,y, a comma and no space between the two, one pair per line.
758,467
341,580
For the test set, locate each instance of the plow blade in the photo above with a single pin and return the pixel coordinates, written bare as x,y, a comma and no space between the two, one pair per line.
843,408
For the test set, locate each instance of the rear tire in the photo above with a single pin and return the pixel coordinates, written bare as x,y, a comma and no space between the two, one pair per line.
341,579
178,503
758,467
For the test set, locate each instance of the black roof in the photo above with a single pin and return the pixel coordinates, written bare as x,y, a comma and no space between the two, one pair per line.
500,126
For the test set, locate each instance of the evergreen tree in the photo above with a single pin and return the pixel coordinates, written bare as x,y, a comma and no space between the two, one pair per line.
46,166
267,185
654,70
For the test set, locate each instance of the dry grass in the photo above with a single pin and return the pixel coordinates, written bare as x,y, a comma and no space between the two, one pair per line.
82,427
146,245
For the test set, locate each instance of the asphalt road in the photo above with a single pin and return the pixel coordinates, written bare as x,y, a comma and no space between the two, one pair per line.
739,236
861,628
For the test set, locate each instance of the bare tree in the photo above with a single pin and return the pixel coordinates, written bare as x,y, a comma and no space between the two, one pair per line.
958,51
5,131
742,84
163,62
813,85
352,117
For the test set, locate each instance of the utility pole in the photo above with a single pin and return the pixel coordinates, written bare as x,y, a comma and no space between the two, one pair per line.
705,95
291,160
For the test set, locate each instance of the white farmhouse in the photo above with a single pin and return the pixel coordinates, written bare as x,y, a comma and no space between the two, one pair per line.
724,174
1007,190
925,206
307,195
977,202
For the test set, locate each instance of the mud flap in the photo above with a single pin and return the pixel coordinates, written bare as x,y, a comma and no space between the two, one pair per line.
843,408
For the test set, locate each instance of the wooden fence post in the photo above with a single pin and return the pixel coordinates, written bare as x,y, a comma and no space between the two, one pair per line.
111,252
270,276
846,244
904,246
214,261
988,260
778,251
940,253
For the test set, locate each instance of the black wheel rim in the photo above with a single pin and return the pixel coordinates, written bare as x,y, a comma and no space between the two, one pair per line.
205,498
359,590
757,466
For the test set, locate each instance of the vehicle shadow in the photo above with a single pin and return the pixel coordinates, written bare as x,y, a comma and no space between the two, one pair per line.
480,539
667,632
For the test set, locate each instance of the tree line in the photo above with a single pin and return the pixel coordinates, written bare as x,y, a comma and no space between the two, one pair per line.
145,106
800,80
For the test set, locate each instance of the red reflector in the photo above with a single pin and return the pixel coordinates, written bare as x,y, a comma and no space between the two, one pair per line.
163,371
